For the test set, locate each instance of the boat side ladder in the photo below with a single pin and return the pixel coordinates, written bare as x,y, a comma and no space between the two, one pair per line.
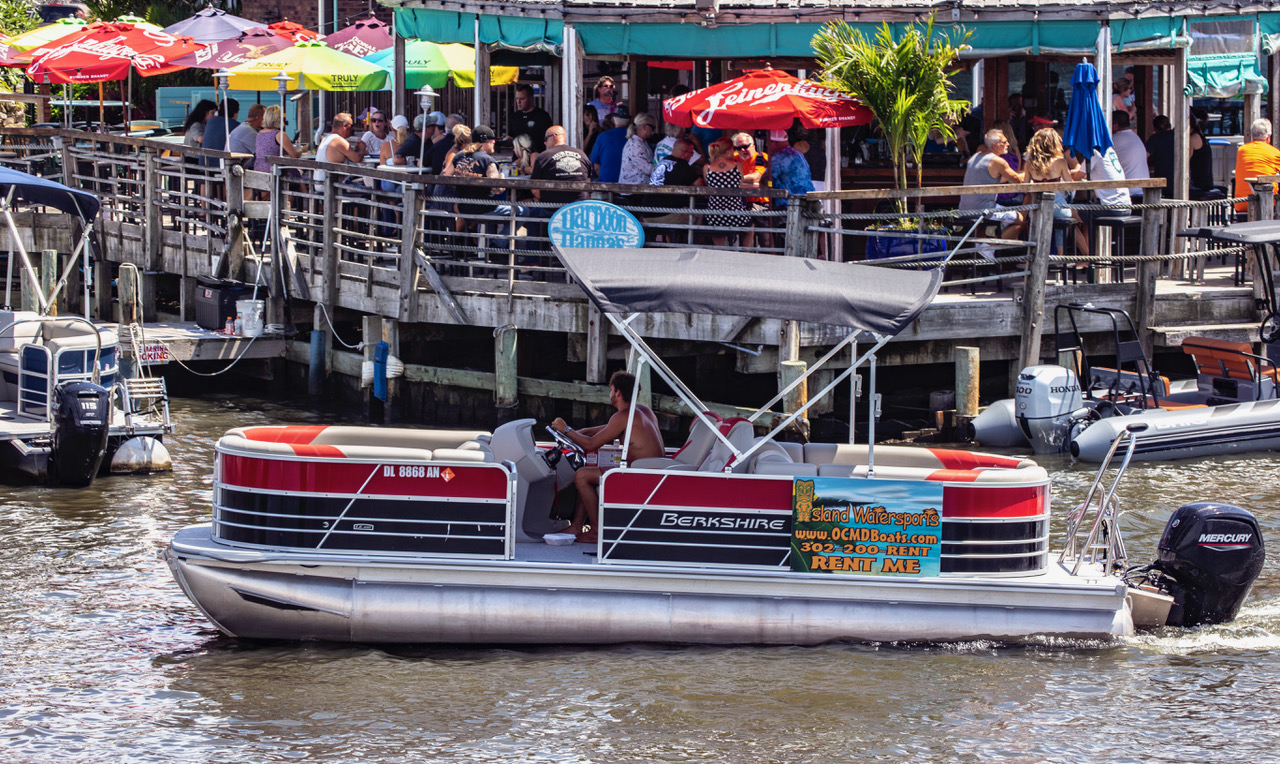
1093,530
144,396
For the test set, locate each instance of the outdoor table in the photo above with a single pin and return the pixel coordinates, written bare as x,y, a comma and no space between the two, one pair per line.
1263,236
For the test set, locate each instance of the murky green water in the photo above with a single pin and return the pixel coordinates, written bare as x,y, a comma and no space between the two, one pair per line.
103,659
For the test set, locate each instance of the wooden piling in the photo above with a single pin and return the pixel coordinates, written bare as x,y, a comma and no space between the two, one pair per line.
505,390
128,289
967,383
49,277
788,372
1148,271
1033,294
316,368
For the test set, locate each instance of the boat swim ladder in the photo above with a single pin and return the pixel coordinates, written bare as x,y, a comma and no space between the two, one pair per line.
1101,542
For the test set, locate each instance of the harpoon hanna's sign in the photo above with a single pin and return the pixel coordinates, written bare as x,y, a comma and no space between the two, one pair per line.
871,527
593,224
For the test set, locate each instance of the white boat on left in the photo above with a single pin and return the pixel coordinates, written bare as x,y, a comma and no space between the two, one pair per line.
65,409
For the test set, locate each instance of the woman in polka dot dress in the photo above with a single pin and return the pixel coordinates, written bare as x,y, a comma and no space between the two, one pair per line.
723,171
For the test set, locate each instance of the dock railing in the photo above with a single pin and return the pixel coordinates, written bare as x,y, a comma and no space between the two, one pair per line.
388,243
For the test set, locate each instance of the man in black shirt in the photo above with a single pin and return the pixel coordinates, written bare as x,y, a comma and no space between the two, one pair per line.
527,119
674,169
559,161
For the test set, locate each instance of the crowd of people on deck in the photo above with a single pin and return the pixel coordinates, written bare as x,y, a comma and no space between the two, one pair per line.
997,159
616,147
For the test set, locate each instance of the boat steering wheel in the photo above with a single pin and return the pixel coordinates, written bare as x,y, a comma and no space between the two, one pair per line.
1269,330
577,457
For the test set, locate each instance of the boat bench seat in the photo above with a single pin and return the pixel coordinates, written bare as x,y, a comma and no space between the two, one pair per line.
1222,358
461,455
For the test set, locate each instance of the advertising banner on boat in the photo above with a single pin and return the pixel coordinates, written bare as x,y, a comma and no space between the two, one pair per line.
870,527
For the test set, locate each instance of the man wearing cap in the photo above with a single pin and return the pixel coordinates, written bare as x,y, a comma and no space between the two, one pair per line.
376,135
476,162
1039,122
528,119
439,147
423,128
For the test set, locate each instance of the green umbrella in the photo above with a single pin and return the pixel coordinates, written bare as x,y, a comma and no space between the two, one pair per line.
314,66
430,63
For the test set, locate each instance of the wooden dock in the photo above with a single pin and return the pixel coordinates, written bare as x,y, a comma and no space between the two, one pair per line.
359,264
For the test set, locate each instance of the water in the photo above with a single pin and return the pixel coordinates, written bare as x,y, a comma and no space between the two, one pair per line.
103,659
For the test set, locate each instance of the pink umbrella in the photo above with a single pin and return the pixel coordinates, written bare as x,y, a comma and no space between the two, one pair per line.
361,38
249,45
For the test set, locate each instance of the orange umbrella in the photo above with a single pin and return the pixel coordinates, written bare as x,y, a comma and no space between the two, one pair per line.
293,32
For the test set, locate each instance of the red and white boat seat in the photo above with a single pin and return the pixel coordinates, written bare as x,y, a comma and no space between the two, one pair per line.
741,434
691,454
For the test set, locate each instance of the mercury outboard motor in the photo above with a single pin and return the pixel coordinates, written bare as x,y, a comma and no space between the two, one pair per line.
1047,401
1207,560
82,414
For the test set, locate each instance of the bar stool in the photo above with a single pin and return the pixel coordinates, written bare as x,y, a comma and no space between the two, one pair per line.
1064,230
1120,226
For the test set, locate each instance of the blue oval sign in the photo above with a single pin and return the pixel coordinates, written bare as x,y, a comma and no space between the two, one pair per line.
595,224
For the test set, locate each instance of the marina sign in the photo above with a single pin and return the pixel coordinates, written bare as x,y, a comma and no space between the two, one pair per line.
872,527
595,224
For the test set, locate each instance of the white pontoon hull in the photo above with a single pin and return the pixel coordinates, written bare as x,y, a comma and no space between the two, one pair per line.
540,601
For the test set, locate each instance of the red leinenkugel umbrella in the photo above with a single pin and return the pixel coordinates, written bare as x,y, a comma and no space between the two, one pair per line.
765,99
106,52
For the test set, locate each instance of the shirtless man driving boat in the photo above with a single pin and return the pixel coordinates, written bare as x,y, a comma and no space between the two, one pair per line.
646,441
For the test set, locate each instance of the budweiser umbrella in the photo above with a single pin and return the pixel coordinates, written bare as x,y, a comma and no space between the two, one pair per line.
211,25
765,99
293,32
107,52
361,38
249,45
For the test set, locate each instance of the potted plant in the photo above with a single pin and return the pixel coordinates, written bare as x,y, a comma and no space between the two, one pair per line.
905,84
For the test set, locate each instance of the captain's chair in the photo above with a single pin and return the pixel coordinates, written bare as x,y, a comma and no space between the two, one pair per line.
695,449
741,434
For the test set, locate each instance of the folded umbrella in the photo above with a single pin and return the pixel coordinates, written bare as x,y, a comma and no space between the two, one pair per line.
1086,127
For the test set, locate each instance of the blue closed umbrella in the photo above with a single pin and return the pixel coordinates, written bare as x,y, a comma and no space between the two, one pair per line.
1086,127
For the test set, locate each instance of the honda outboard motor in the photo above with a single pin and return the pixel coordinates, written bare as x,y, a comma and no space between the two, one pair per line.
82,414
1207,560
1046,399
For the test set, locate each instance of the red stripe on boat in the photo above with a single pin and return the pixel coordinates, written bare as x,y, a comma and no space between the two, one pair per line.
954,476
299,434
952,459
710,490
423,479
994,501
329,452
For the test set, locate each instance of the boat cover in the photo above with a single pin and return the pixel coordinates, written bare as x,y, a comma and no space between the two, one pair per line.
35,190
718,282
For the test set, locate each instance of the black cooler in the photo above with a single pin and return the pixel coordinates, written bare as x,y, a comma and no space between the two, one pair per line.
216,301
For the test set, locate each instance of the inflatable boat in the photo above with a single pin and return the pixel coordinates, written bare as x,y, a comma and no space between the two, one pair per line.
1230,407
358,534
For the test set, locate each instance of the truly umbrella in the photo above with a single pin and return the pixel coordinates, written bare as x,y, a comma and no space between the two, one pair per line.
314,65
765,99
249,45
361,38
211,25
293,32
1086,127
429,63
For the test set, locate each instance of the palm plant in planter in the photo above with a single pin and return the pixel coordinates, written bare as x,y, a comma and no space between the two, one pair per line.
904,82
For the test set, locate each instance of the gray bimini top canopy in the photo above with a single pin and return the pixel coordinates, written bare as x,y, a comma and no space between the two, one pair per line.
717,282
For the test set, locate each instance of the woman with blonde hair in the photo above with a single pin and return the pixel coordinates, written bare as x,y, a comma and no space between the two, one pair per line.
637,157
723,171
1047,163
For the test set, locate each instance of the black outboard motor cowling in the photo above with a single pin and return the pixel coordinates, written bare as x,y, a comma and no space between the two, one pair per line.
82,412
1209,556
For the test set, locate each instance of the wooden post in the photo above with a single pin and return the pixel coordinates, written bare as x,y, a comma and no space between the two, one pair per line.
1262,206
967,378
1273,103
316,369
1180,115
49,277
1148,270
152,233
597,345
397,76
329,254
484,89
505,388
27,292
102,289
233,180
788,372
1037,274
391,333
128,288
408,266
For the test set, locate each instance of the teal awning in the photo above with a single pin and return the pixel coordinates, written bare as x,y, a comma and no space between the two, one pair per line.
676,40
1269,29
507,32
1162,33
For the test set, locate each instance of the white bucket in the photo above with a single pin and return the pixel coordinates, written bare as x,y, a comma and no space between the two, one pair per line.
250,313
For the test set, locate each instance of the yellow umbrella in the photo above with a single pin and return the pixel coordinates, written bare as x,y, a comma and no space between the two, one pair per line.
314,66
34,38
430,63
